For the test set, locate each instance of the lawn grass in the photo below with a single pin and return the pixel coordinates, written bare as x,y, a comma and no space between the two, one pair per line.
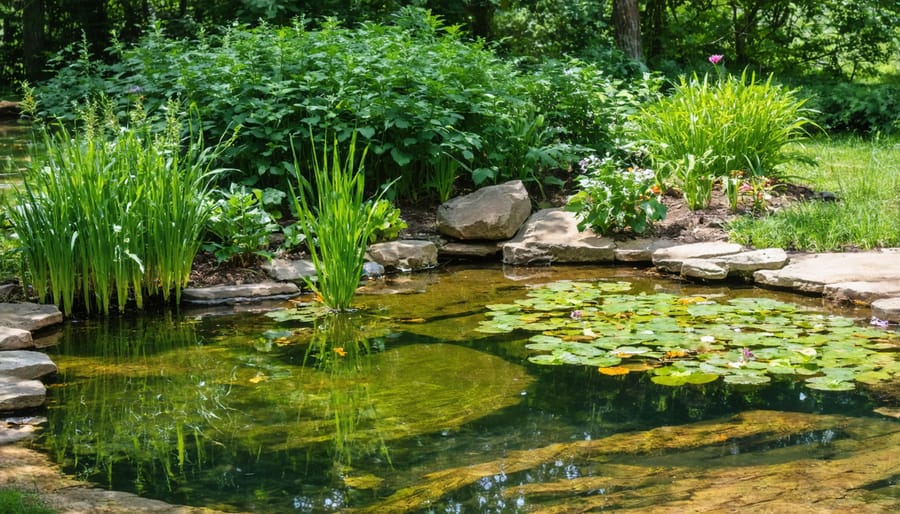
864,174
14,501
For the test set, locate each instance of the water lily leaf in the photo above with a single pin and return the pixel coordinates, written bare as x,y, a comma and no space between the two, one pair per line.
614,370
601,361
546,359
747,379
825,383
669,380
873,377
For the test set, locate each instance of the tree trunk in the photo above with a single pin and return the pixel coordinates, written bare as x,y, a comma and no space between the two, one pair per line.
627,25
33,39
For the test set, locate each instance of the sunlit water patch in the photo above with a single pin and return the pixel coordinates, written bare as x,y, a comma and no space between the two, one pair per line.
405,406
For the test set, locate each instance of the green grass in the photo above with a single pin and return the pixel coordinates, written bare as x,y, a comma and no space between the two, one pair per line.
14,501
865,176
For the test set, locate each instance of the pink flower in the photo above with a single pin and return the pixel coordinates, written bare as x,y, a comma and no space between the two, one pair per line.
715,58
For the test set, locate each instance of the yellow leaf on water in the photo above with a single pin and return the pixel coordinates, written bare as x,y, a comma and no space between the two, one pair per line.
258,378
614,370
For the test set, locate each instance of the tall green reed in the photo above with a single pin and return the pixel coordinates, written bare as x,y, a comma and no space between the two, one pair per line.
335,221
707,130
114,212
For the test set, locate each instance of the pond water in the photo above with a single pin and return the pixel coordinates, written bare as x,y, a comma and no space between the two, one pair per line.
405,406
14,141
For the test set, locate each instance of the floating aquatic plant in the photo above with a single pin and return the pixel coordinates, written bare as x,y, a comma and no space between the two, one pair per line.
695,340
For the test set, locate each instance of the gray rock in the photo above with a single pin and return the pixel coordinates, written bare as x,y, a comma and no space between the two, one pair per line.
490,213
15,339
372,270
640,250
703,269
552,235
810,273
460,249
861,292
285,270
24,364
240,293
29,316
18,394
404,255
670,259
754,260
887,309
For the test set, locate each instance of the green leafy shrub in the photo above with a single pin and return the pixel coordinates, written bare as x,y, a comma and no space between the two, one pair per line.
856,108
240,225
708,128
13,501
613,198
112,211
384,220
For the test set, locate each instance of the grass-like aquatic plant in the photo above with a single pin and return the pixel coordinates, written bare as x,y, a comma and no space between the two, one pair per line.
707,129
337,223
111,211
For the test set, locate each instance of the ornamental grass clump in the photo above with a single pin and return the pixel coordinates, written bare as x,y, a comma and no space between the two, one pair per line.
709,128
613,197
112,212
336,221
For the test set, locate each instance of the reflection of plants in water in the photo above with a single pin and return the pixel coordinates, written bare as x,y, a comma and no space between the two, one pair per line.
339,348
149,400
694,340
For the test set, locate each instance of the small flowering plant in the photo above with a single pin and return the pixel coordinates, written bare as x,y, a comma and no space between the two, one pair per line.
614,198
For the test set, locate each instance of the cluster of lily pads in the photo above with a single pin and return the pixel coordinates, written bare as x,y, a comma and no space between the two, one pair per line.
693,339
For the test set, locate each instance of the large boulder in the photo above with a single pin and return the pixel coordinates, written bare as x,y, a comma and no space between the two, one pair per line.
404,255
29,316
491,213
16,394
15,339
552,236
24,364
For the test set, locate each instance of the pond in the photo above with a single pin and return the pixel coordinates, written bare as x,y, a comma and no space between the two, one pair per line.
409,405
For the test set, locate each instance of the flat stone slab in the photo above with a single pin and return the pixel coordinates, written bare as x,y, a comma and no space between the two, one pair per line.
552,236
671,258
640,250
286,270
810,273
863,293
17,394
459,249
887,309
25,364
29,316
704,269
15,339
240,293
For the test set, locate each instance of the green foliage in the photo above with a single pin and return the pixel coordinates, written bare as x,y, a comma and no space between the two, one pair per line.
865,177
694,340
385,221
614,198
14,501
706,129
854,107
112,211
332,207
240,225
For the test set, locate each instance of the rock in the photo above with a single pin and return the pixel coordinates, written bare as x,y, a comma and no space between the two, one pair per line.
810,273
15,339
887,309
703,269
861,292
552,235
490,213
372,270
18,394
240,293
459,249
404,255
29,316
640,250
670,259
285,270
753,260
24,364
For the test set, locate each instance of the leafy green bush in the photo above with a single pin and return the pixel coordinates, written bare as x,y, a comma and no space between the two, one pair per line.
614,198
708,128
13,501
240,225
384,221
112,211
856,108
413,92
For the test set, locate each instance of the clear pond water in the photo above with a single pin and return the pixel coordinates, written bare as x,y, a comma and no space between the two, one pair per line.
405,407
